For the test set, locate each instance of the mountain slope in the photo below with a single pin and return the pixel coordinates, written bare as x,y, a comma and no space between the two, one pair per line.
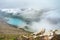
8,29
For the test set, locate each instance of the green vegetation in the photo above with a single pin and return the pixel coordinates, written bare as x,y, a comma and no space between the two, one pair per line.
7,36
10,36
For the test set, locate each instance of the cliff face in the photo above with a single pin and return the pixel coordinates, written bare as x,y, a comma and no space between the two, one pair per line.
8,29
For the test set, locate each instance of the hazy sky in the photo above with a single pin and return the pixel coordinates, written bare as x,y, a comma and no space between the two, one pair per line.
28,3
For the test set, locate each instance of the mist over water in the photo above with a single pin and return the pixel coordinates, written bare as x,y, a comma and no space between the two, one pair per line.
48,20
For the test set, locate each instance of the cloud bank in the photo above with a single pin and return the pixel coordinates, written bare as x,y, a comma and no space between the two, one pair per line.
35,19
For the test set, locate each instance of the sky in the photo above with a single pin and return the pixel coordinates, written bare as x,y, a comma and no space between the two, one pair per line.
28,3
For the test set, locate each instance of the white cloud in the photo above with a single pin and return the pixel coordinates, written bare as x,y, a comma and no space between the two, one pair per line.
48,20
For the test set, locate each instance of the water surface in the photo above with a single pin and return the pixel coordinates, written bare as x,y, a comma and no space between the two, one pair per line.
15,21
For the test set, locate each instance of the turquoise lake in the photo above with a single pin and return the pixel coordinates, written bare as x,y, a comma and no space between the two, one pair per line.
15,21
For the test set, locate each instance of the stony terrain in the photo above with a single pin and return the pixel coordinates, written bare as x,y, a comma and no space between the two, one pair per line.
8,29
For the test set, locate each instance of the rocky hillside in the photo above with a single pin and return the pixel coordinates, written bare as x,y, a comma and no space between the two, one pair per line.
8,29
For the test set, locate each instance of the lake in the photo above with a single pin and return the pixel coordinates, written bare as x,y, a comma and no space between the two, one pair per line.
15,21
